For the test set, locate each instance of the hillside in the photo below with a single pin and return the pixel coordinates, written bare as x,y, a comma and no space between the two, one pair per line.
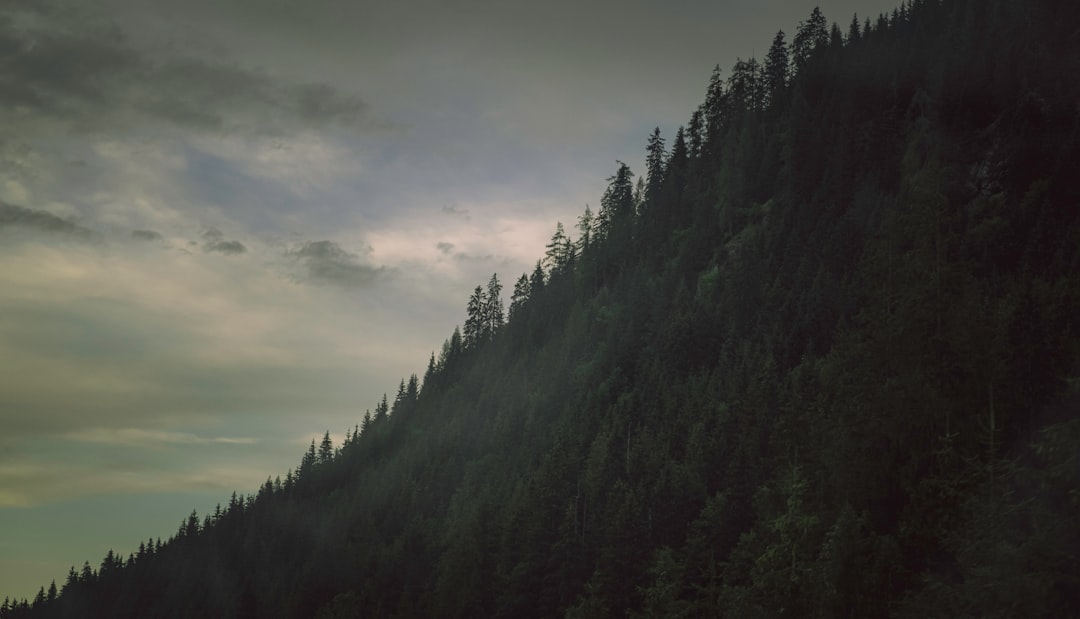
822,360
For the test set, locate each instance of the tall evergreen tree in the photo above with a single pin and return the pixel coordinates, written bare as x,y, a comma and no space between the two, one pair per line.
493,307
617,207
326,450
585,228
557,251
475,327
714,109
655,157
854,35
695,134
382,410
812,35
519,296
776,70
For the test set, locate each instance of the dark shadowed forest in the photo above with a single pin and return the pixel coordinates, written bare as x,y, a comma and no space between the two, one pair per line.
820,358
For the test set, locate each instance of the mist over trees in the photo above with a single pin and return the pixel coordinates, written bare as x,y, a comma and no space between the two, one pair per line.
824,361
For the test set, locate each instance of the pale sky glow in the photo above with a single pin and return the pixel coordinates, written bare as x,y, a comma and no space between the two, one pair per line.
227,226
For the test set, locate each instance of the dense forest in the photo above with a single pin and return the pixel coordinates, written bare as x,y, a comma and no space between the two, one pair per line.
821,358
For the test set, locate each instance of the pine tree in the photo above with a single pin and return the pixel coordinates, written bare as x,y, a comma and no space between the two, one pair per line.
617,207
412,390
493,308
854,35
744,92
474,320
836,38
557,250
585,227
382,409
326,450
811,36
676,173
520,295
776,70
714,112
655,156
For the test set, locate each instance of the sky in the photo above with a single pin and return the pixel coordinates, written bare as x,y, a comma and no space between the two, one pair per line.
227,226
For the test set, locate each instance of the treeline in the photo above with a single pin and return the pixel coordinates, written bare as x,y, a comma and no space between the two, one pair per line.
820,360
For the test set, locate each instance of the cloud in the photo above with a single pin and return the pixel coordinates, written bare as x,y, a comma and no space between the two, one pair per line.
30,483
214,241
136,437
81,71
325,262
444,247
453,210
146,235
17,216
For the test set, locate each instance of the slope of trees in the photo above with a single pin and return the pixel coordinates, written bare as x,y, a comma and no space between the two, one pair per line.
825,363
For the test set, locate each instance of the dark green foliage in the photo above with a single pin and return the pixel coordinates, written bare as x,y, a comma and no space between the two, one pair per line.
835,374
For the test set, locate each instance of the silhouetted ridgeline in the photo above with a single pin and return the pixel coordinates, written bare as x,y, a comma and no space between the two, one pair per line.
822,360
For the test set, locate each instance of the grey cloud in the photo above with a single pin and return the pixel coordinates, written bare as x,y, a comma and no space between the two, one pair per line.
214,241
452,209
325,262
17,216
463,257
149,438
146,235
229,248
444,247
87,75
321,103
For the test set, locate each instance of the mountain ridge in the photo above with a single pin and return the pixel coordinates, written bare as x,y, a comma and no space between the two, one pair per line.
820,362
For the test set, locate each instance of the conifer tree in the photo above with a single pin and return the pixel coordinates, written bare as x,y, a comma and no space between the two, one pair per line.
520,295
585,227
776,70
655,157
811,36
854,35
617,207
536,280
326,449
694,135
382,409
714,112
474,320
493,308
557,250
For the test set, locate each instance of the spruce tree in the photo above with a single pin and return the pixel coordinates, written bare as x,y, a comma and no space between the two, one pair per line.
493,307
812,35
776,70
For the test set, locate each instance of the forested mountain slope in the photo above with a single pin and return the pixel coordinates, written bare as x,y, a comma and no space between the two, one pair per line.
823,361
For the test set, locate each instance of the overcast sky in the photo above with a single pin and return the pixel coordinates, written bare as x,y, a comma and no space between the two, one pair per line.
229,225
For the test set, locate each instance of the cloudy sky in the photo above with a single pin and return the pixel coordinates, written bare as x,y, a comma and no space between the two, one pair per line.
229,225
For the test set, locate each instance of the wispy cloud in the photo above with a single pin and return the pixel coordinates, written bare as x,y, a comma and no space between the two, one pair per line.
325,262
146,235
19,217
136,437
214,241
26,484
79,70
